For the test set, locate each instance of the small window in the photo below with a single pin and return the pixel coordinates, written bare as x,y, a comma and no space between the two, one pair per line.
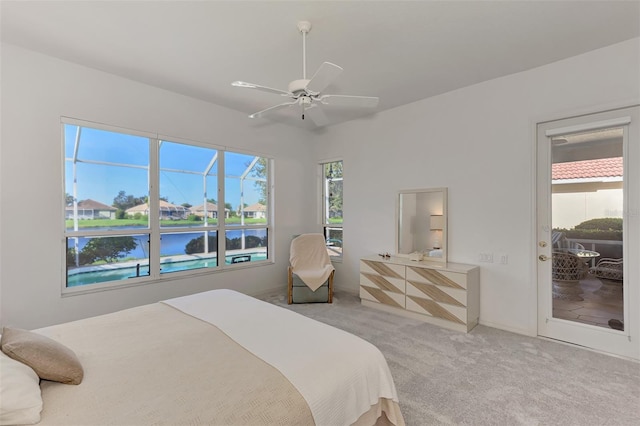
332,214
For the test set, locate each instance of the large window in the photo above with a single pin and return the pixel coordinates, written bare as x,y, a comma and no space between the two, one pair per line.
332,207
138,207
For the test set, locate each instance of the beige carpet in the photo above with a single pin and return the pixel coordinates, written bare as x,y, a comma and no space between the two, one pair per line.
488,377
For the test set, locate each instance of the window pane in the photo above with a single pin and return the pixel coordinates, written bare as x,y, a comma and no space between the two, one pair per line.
334,241
333,192
332,207
110,171
93,260
182,251
245,187
246,245
188,185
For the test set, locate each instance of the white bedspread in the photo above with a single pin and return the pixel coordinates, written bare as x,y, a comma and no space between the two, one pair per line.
356,369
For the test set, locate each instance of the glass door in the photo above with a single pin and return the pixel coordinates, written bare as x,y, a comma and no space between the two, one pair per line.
584,277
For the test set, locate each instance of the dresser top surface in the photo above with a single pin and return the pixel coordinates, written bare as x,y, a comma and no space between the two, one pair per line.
442,266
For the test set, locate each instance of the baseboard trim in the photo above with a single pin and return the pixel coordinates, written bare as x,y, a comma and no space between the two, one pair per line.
504,327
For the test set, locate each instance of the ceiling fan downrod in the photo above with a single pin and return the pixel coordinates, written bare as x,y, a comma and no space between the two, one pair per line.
304,27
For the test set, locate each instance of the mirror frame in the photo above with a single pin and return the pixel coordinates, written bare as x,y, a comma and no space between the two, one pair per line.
444,241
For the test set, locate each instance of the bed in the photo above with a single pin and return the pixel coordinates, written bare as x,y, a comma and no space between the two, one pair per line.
218,357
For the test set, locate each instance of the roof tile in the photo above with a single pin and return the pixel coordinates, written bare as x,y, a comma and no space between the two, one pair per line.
602,167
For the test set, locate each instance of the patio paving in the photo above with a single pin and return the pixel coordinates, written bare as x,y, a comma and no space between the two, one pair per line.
594,309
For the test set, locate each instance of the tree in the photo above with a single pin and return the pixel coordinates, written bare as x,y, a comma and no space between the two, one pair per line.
123,201
333,174
251,241
232,213
233,243
186,205
212,200
260,171
68,199
108,249
196,245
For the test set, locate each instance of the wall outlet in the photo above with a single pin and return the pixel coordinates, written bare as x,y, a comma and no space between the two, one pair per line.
504,258
486,257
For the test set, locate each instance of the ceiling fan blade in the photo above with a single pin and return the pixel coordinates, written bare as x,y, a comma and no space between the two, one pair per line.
273,108
349,101
323,77
261,88
317,115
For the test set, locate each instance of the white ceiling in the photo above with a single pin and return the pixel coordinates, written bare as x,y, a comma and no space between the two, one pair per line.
401,51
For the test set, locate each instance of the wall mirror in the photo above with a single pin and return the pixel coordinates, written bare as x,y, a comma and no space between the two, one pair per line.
422,224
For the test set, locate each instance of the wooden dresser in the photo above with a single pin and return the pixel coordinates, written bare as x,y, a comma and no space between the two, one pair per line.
445,294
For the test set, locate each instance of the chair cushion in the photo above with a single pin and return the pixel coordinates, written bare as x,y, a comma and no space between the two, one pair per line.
303,294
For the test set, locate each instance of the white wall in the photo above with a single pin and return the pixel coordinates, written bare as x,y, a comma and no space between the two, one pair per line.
572,208
36,91
479,142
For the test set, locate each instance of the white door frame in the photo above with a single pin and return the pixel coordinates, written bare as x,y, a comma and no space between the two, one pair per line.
623,343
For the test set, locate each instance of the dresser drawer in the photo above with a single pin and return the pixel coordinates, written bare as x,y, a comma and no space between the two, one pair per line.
374,294
440,294
454,314
385,277
439,278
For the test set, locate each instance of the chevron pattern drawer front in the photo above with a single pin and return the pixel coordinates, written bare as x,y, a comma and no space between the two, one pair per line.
439,294
382,283
443,294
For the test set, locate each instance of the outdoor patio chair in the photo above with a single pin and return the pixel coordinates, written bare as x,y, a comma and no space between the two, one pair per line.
560,242
310,274
610,273
567,270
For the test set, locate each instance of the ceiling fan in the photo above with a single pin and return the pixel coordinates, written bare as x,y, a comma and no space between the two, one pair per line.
308,93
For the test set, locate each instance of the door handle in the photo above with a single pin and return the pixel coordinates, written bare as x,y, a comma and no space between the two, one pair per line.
543,257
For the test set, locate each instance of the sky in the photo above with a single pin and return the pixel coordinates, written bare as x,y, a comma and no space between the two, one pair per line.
128,171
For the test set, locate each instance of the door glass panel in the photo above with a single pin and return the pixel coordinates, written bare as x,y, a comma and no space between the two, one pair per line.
587,222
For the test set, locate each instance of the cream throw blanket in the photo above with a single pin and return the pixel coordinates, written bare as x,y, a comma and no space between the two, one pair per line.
310,261
345,377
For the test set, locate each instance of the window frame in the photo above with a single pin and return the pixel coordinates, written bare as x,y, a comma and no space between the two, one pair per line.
154,229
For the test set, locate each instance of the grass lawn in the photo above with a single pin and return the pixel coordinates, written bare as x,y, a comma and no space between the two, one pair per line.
143,222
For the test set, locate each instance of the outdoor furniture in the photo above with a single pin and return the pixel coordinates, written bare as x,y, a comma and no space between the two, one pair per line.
567,270
241,258
560,242
610,273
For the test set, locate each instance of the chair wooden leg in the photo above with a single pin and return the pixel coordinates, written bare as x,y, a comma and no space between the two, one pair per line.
290,285
331,286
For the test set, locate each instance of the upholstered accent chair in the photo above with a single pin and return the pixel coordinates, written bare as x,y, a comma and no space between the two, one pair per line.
310,274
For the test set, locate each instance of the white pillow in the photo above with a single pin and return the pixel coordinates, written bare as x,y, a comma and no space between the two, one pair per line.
20,397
